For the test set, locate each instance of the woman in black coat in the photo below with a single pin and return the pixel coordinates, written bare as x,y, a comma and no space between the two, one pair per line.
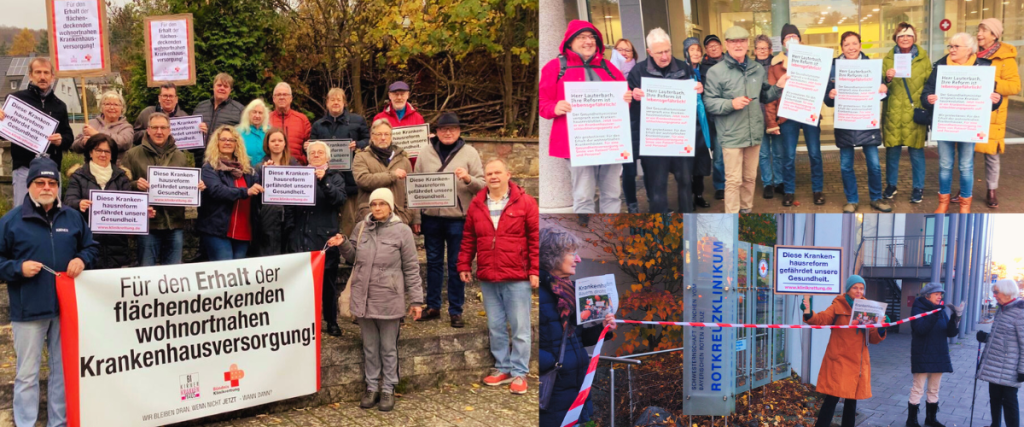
557,317
929,351
227,218
310,227
269,237
339,123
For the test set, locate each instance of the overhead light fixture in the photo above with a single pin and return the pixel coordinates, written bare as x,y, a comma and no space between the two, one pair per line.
974,11
607,17
985,8
874,10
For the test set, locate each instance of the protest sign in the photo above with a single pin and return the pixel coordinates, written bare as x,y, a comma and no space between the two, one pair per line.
78,37
26,126
119,212
596,297
599,132
431,190
169,50
867,312
801,270
186,133
857,104
412,139
667,117
289,185
808,71
172,186
963,109
341,156
159,345
902,65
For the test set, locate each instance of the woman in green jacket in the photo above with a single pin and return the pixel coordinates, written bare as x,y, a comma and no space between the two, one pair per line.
899,128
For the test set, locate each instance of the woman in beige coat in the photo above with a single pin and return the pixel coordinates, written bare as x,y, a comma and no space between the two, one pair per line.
381,165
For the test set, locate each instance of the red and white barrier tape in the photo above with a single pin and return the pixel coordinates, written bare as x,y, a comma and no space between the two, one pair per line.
573,415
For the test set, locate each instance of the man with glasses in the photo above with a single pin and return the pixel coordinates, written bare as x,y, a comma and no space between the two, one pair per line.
296,125
167,104
399,111
713,55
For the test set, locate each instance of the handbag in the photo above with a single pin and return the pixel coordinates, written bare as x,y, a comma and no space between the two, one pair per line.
547,379
344,309
921,116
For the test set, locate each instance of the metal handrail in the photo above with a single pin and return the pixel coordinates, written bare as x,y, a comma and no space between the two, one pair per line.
629,364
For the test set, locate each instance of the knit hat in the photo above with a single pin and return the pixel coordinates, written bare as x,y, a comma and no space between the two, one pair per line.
385,195
788,29
737,32
42,167
710,38
689,42
853,280
994,26
932,288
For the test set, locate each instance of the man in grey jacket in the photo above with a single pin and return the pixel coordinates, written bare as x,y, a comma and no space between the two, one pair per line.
1002,363
220,110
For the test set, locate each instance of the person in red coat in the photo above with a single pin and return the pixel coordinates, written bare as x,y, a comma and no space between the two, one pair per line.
295,124
400,112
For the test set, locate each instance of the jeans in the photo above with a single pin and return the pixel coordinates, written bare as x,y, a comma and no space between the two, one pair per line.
164,245
850,177
947,150
437,233
19,179
828,409
29,339
1004,399
509,302
892,165
790,130
604,178
223,248
656,170
771,159
718,171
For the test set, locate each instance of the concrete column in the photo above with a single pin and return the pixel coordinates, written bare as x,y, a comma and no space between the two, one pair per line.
937,248
962,261
971,285
780,16
555,185
632,20
951,248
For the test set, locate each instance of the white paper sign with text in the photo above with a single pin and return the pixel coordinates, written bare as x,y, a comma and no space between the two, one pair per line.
26,126
668,116
808,71
963,109
186,132
808,270
857,106
412,139
173,186
289,185
431,190
596,297
119,212
599,129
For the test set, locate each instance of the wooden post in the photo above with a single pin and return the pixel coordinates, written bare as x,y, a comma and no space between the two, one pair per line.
85,104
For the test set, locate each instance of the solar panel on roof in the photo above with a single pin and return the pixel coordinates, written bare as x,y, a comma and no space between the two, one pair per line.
19,67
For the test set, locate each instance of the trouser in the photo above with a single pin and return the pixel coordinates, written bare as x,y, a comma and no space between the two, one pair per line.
846,155
162,245
697,185
947,151
992,171
718,168
771,159
790,130
380,353
29,339
439,233
656,170
603,178
330,291
740,176
1004,399
892,165
19,179
508,303
629,173
828,409
917,390
223,248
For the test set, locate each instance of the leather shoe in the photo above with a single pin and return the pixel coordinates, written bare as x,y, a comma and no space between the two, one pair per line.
993,202
719,194
769,192
333,330
780,188
699,202
457,321
819,198
787,199
429,314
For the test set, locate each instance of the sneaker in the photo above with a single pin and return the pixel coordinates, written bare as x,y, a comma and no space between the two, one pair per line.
819,198
769,192
387,401
429,314
497,378
881,205
744,211
890,190
787,199
917,195
632,208
719,194
370,399
850,208
518,386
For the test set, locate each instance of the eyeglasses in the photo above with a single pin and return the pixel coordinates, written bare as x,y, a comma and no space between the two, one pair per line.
108,104
762,48
168,96
381,134
282,95
103,152
624,50
953,46
227,139
160,127
45,183
585,37
379,204
448,129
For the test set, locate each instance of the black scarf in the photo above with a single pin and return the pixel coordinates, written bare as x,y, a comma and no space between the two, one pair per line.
382,154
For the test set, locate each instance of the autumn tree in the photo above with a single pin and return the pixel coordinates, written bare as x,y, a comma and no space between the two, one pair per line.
758,228
43,46
24,43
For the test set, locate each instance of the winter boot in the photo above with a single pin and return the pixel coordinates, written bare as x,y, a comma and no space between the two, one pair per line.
933,408
912,415
943,203
965,205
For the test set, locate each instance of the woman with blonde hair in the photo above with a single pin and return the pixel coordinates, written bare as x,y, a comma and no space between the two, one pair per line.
226,215
1004,58
110,121
253,128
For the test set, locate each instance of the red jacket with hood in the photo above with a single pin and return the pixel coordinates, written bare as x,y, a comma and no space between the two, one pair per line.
552,89
411,117
509,253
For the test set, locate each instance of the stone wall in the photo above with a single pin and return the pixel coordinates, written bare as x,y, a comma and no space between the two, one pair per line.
519,153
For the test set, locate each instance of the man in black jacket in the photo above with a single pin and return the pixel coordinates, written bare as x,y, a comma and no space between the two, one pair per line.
339,123
40,95
713,47
219,110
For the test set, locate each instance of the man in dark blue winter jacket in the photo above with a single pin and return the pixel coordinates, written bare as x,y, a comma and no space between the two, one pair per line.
36,235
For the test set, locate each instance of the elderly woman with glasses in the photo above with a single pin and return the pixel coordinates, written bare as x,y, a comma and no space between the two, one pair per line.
963,51
382,165
111,122
1002,362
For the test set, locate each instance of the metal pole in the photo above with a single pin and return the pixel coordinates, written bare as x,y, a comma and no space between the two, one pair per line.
937,248
950,253
982,271
613,394
972,281
964,246
629,378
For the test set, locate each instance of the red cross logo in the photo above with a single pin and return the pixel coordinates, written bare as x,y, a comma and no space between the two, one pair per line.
764,269
233,375
945,25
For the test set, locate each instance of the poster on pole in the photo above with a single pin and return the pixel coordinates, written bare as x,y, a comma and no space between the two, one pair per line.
902,64
119,212
596,297
341,155
412,139
867,312
858,106
808,270
26,126
153,346
169,49
174,186
599,130
808,71
78,37
289,185
431,190
668,117
963,110
186,133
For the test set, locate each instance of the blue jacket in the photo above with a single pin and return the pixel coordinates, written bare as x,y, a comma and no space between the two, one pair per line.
574,362
27,235
929,349
218,201
253,138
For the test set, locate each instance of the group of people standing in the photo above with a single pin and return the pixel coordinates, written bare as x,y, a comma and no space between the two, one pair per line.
738,127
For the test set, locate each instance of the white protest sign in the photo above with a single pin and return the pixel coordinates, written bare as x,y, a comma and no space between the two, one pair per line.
172,186
808,270
667,117
119,212
867,312
26,126
902,65
341,156
77,37
431,190
596,297
169,49
599,130
186,133
289,185
412,139
857,103
808,71
154,346
963,110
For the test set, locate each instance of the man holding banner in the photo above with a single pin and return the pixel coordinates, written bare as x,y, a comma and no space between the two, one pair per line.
41,234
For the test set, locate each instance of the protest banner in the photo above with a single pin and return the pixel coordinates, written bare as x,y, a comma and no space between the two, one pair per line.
186,133
867,312
169,49
808,71
599,132
173,186
667,117
431,190
78,37
963,109
902,63
119,212
857,104
289,185
596,297
158,345
412,139
26,126
341,156
814,270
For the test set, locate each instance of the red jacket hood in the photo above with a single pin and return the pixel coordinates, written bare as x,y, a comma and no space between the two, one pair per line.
575,28
390,110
